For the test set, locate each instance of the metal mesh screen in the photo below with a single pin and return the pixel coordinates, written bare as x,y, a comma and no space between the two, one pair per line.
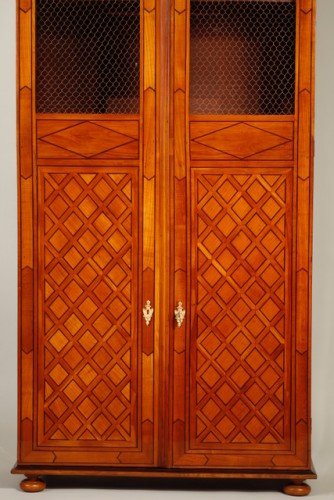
242,56
88,54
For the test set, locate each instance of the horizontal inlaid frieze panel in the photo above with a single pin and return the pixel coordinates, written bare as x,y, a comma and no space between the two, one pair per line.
242,140
88,139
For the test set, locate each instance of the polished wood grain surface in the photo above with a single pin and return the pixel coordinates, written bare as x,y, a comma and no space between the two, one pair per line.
247,139
208,213
92,358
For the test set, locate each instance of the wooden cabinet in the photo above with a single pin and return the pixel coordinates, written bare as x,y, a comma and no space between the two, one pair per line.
165,193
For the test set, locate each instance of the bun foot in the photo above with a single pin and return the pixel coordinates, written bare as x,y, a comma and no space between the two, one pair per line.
297,489
33,484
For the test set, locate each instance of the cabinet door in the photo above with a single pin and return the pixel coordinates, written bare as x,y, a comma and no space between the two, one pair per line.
241,255
88,212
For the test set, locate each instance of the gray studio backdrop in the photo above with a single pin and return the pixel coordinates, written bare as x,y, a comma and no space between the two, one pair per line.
323,267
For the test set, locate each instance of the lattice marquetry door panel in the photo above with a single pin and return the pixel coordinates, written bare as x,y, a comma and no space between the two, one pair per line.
89,360
240,329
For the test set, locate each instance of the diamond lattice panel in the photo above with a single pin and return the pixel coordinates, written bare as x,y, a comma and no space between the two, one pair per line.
242,279
242,57
87,235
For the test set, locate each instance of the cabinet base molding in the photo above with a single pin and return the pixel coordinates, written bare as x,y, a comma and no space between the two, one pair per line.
297,487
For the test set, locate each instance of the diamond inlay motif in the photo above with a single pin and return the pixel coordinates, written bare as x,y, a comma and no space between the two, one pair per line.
227,191
240,376
241,309
58,274
102,291
59,307
270,343
102,189
87,341
211,410
73,357
88,240
72,424
255,360
226,259
255,394
226,360
269,410
102,223
73,189
59,341
255,426
117,374
226,225
88,290
58,407
211,309
73,257
211,276
58,374
102,324
242,303
212,208
240,343
226,292
87,207
58,240
116,408
117,241
73,291
225,426
211,343
211,243
228,140
87,307
102,258
96,138
256,225
270,275
225,393
241,242
117,207
59,206
241,208
87,374
255,293
241,276
73,324
256,191
87,407
73,391
211,376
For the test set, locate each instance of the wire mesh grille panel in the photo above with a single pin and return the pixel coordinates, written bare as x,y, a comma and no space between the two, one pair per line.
88,54
242,56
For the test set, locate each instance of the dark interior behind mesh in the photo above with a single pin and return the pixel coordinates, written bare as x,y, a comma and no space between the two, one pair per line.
88,56
242,56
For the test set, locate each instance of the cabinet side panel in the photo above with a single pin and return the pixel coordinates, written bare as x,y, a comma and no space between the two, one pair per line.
25,214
